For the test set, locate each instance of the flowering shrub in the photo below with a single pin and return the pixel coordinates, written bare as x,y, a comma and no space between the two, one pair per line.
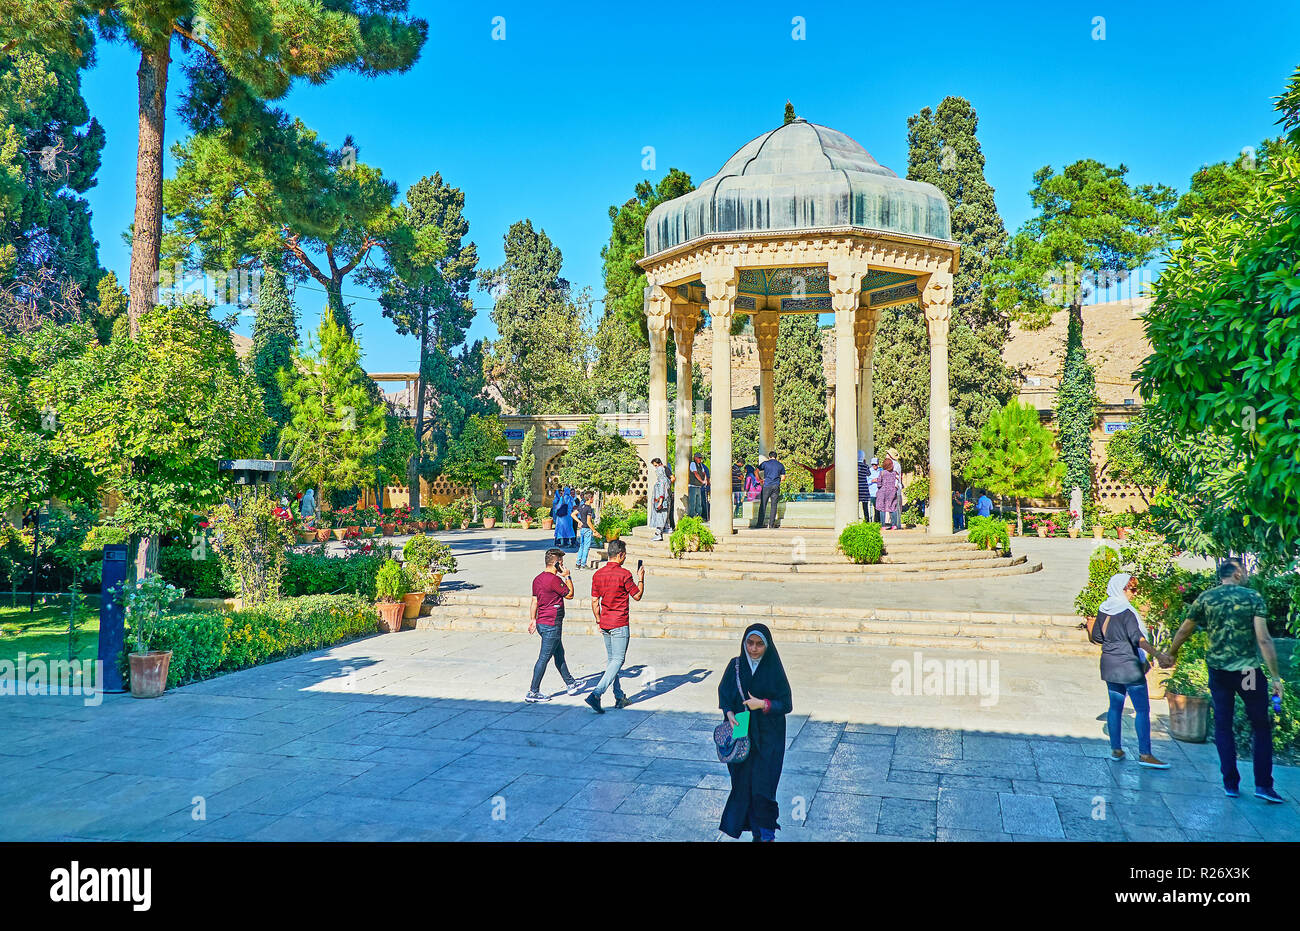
144,604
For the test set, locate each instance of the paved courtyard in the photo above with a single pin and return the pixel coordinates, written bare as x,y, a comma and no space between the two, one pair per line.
421,735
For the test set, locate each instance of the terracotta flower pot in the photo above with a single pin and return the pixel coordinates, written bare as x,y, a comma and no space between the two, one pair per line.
489,522
527,523
1074,533
1099,533
322,535
464,525
548,523
149,673
1188,717
390,616
338,533
1042,531
1123,533
388,529
412,602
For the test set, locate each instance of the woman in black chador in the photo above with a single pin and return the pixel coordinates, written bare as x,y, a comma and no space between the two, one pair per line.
764,691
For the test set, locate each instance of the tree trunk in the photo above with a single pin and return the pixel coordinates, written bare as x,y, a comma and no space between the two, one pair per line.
146,556
341,314
146,243
1020,522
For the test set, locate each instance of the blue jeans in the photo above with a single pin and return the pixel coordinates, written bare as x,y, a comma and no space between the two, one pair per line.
1141,707
616,651
552,648
584,545
1225,686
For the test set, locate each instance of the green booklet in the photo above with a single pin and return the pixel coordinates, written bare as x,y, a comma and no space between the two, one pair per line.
741,728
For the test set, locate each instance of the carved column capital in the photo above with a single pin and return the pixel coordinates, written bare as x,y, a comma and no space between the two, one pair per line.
864,330
936,301
767,325
658,308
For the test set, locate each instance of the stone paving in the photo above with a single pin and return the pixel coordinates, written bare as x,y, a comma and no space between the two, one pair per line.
421,735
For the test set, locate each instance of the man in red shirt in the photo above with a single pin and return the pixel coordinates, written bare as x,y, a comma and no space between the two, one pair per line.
552,587
611,587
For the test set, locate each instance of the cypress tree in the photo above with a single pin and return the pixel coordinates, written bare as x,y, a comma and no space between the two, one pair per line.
803,429
1076,401
943,151
275,336
789,114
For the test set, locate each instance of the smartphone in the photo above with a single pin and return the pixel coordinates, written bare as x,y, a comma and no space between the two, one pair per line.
638,565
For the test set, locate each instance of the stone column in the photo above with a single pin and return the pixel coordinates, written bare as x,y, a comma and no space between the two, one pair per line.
845,284
720,287
684,320
864,334
936,301
766,325
657,308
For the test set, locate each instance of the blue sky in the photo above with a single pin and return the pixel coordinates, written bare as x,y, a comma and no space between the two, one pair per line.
550,123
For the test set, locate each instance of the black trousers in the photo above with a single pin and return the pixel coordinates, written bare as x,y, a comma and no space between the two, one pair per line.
1225,686
772,493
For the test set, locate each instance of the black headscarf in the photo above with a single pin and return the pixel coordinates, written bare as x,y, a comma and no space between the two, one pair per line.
768,680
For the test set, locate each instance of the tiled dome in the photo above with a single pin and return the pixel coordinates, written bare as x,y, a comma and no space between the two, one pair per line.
799,176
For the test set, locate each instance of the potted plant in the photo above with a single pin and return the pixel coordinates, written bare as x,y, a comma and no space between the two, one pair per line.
543,514
1074,524
390,590
143,604
427,561
1187,690
489,517
691,536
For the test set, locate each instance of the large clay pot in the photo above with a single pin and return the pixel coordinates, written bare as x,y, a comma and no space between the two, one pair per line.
489,523
464,525
412,601
526,523
1189,717
390,616
322,535
548,523
338,533
149,673
1099,533
1123,533
1042,531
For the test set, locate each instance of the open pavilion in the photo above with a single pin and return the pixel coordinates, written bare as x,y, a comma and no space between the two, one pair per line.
800,220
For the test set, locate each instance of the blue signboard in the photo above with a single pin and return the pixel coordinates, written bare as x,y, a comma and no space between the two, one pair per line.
1115,426
627,433
111,620
514,434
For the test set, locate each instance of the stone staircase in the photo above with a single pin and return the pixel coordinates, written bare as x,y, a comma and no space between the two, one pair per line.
752,554
952,630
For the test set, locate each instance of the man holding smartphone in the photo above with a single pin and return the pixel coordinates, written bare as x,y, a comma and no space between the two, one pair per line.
552,587
611,587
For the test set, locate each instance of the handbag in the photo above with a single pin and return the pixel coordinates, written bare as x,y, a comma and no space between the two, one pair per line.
731,749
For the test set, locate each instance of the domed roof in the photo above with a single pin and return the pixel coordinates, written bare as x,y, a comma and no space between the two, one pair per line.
800,176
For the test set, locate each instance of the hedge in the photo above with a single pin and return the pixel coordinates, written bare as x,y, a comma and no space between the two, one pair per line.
209,643
201,578
311,574
862,542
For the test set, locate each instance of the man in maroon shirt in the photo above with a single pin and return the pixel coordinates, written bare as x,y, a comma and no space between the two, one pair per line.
552,587
611,587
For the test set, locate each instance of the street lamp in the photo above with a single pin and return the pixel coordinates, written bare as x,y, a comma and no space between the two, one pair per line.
507,464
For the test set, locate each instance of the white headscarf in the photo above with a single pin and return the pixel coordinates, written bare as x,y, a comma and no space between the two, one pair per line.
1117,603
753,663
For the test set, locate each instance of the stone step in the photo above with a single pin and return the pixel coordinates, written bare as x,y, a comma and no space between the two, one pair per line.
468,604
982,639
757,561
881,572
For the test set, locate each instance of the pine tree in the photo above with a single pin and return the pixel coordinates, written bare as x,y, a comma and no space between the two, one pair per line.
335,427
789,114
50,150
1015,456
275,337
426,293
943,151
243,54
803,429
1076,410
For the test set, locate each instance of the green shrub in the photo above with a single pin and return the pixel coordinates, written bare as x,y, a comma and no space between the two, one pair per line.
989,533
796,480
917,492
691,534
542,512
1103,563
1190,676
637,517
318,574
425,556
490,512
392,583
613,517
862,542
209,643
197,571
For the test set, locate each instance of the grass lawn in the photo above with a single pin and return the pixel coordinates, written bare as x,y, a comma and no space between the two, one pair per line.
44,634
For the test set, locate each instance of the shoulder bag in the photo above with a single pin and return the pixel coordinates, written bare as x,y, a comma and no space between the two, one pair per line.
731,749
